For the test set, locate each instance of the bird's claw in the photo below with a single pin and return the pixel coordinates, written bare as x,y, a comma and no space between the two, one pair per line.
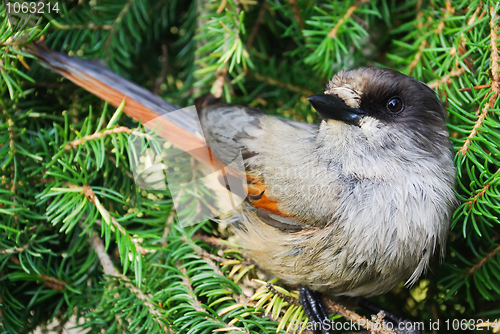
313,307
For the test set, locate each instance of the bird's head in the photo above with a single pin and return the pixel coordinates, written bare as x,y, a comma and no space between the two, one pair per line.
384,107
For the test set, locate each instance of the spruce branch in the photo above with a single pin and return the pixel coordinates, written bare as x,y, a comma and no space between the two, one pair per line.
468,89
287,297
111,272
256,26
495,67
333,33
114,27
483,261
480,194
447,79
163,71
53,283
418,55
111,220
197,305
296,13
278,83
14,250
375,325
98,135
90,25
49,281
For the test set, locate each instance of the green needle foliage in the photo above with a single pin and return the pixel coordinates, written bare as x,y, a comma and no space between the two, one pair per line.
78,237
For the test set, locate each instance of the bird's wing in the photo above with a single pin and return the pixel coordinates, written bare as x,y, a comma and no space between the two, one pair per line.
229,129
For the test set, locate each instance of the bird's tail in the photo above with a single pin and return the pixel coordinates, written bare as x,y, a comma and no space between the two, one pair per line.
182,129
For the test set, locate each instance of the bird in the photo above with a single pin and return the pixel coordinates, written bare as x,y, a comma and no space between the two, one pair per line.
351,206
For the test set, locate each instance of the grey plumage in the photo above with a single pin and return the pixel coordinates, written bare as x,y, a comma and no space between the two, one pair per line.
374,199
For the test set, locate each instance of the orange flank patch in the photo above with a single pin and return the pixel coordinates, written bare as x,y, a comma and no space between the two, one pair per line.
257,189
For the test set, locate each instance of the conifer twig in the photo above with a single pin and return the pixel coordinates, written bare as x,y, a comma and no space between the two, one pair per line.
448,12
89,193
417,56
333,33
198,305
447,79
114,26
14,250
53,283
168,224
468,89
110,270
336,308
12,152
256,26
163,71
495,67
275,82
296,13
479,194
484,260
98,135
89,25
289,299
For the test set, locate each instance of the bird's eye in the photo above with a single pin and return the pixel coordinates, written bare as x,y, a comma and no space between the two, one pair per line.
395,105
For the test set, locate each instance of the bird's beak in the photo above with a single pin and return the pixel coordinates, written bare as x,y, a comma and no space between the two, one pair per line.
333,107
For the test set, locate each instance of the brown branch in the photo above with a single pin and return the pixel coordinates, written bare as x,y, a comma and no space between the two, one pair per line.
347,15
168,224
163,71
479,194
377,326
53,283
114,27
198,306
465,147
296,12
495,67
468,89
292,301
333,307
484,260
208,258
98,135
192,295
89,193
418,55
222,6
213,241
256,25
90,25
218,86
12,152
107,265
448,11
275,82
14,250
48,281
447,79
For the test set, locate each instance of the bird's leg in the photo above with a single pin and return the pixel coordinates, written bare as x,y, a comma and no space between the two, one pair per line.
311,303
401,325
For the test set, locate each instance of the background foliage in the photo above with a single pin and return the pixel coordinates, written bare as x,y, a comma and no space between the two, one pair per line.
77,237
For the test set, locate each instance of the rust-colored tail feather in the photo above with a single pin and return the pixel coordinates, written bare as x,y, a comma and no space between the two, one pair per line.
140,104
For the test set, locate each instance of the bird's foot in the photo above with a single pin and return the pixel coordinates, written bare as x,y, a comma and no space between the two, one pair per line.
400,325
313,307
